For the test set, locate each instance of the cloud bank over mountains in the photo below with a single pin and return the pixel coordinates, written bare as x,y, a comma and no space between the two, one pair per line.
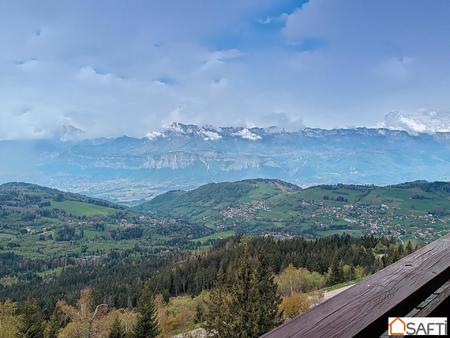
111,68
422,122
428,122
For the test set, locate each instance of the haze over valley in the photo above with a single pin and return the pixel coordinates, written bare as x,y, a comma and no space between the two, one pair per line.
129,170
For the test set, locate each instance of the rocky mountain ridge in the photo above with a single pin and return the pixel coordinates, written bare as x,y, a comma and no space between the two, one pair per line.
129,170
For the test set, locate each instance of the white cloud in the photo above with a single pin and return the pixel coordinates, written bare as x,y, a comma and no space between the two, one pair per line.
209,135
247,134
274,19
420,122
282,121
31,122
214,63
302,22
219,57
88,73
227,54
154,134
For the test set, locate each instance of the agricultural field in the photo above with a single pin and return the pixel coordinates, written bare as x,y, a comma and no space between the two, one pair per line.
41,223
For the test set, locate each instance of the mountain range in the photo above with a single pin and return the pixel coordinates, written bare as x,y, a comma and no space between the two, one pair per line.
130,170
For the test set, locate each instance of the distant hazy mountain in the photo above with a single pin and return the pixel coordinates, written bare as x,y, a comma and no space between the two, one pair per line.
129,170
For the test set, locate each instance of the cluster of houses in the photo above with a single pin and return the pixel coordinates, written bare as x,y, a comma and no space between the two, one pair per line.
245,210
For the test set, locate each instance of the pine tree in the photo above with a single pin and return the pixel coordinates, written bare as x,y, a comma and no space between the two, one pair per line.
401,251
409,248
31,320
147,323
218,317
335,275
266,296
243,307
392,255
116,329
248,305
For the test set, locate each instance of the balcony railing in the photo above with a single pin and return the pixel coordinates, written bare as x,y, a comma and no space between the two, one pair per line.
416,285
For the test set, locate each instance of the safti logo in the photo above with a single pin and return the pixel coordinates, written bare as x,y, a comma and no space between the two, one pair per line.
397,327
417,326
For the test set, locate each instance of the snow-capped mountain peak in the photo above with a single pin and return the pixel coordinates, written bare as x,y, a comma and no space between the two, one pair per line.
247,134
154,134
208,133
211,133
69,133
423,122
420,123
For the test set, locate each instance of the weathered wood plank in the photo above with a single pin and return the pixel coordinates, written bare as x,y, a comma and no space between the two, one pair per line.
364,308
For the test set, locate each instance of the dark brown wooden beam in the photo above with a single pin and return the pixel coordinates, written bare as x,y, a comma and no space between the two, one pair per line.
363,309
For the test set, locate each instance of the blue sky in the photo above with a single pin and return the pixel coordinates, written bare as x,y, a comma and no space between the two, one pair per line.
127,67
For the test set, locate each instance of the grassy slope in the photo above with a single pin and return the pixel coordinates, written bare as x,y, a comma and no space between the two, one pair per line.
208,200
78,208
311,210
251,206
31,217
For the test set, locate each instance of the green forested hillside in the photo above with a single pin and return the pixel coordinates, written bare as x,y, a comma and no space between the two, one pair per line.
418,210
54,244
184,284
214,197
38,222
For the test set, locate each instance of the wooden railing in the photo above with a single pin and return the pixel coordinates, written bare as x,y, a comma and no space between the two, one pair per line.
400,289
